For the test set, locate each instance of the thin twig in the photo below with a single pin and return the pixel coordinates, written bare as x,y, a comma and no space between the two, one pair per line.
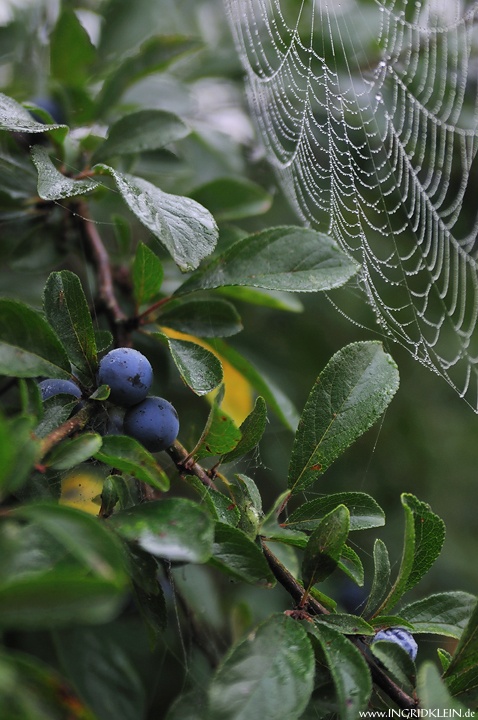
186,464
105,276
313,607
140,318
289,583
70,426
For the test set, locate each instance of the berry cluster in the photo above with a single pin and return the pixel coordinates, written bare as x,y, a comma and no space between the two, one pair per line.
152,420
400,637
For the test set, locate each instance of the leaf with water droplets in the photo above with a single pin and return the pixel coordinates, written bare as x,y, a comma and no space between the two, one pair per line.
349,395
52,185
186,229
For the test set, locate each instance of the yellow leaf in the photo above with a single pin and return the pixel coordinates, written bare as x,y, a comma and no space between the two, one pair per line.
82,489
239,396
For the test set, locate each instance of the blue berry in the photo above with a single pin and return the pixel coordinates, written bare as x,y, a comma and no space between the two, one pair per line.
154,423
48,388
400,637
128,374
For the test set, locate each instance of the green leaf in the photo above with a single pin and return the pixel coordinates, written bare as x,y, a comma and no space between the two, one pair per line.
445,658
188,706
351,564
59,567
52,184
81,534
186,229
271,529
66,309
462,674
397,662
443,613
17,179
252,430
275,398
424,537
29,688
350,394
237,555
434,695
265,298
325,546
285,258
102,669
120,491
101,393
267,676
123,234
71,51
199,368
19,451
155,54
15,118
28,345
249,490
389,621
220,434
56,410
287,537
248,500
364,512
103,339
72,452
140,132
233,198
174,528
348,668
203,318
147,275
30,397
381,577
143,569
346,624
126,454
220,506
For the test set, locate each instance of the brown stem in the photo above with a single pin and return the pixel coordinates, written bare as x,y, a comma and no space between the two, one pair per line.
313,607
289,583
73,424
152,308
105,276
186,464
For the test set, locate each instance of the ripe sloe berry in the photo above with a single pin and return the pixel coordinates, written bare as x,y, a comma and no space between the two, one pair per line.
128,374
400,637
154,423
51,387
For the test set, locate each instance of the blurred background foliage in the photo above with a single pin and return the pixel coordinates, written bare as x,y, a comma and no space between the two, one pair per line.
426,443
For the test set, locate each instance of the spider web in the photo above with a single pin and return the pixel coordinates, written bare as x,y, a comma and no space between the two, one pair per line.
375,143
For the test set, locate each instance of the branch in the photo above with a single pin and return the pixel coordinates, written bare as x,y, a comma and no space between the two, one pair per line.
105,276
73,424
289,583
185,464
313,607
